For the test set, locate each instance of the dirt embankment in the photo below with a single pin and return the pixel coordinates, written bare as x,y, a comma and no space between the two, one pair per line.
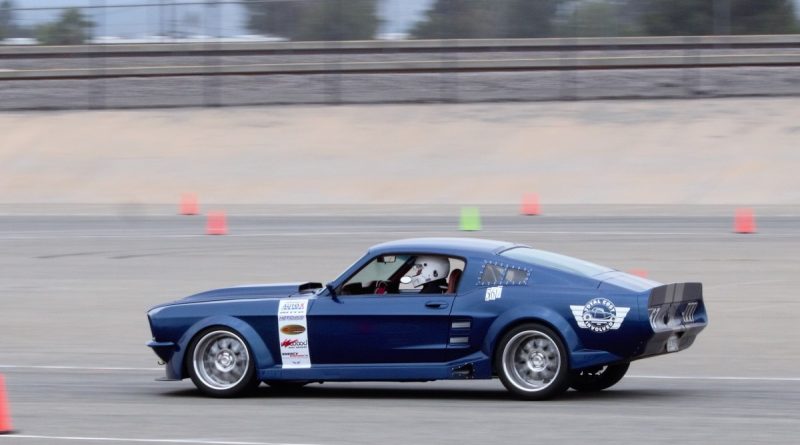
723,151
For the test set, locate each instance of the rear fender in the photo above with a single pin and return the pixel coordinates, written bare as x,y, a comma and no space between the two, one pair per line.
261,356
533,314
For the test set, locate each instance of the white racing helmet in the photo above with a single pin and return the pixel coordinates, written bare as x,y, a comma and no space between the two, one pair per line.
427,269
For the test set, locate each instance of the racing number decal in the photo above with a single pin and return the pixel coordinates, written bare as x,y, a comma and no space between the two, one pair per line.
293,333
493,293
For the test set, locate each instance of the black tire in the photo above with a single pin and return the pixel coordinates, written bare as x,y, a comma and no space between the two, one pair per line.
286,385
229,372
597,378
532,363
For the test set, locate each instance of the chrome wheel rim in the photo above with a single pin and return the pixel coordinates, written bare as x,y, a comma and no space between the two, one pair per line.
221,360
531,361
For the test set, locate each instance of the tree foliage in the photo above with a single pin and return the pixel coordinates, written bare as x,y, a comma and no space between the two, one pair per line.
706,17
458,19
315,19
71,28
6,19
465,19
600,18
529,18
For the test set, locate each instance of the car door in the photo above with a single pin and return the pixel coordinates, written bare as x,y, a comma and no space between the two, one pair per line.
397,325
389,328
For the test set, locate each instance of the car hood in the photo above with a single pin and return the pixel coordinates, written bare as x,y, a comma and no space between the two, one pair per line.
276,290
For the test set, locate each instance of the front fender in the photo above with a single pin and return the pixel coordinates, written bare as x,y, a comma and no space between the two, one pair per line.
261,356
531,313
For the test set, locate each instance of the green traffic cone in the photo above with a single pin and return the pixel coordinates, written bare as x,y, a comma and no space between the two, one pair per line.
470,219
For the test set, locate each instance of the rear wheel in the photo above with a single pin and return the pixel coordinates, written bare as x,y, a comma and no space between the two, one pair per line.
597,378
531,361
220,363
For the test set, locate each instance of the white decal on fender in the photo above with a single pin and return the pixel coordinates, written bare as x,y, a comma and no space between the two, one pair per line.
599,315
493,293
293,333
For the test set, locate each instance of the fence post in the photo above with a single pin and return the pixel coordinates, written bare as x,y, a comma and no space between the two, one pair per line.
212,84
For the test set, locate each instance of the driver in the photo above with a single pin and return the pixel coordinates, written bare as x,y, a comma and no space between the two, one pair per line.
430,272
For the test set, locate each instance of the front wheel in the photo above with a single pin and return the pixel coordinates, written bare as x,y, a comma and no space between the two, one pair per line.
531,361
221,364
598,378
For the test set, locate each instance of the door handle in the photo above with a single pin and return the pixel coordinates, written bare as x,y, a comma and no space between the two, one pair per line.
436,304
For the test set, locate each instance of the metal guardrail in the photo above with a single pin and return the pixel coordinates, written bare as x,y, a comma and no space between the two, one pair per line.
421,66
378,46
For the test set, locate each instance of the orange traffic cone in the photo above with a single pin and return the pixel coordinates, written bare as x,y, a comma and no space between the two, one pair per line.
744,221
639,272
217,223
5,413
530,204
189,204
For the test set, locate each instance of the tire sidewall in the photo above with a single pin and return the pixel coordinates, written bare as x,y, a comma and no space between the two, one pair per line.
557,386
244,386
610,377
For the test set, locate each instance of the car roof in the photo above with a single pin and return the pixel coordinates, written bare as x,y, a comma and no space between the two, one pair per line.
452,246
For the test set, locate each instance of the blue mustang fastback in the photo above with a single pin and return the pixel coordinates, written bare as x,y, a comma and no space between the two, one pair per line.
429,309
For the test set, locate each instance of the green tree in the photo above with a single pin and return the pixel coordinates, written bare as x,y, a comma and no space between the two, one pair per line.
601,18
71,28
529,18
459,19
451,19
706,17
315,20
6,19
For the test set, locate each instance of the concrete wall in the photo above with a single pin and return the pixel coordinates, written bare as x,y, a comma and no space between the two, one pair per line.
710,151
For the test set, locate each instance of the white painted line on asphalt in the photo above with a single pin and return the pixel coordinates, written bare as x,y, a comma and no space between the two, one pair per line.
77,368
131,440
760,379
744,283
195,235
361,233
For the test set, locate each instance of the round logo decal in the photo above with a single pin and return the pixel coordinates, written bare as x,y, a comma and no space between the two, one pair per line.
293,329
599,314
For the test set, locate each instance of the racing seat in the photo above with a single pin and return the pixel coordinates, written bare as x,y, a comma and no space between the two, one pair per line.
452,281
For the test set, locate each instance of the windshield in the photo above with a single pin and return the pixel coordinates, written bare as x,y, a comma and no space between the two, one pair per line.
381,268
555,261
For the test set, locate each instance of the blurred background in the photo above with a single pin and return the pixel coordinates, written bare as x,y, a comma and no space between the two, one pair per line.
166,53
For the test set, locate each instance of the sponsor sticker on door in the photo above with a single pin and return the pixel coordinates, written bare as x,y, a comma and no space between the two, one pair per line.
293,333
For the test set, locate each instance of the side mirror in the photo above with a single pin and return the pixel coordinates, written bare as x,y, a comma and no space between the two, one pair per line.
405,280
332,291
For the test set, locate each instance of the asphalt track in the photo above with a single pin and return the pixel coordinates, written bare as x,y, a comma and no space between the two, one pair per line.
74,289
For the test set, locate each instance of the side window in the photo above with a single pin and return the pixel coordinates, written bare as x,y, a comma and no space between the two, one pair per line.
516,276
377,274
451,274
494,274
406,274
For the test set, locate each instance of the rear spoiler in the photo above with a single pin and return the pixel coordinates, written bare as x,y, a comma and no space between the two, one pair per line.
675,293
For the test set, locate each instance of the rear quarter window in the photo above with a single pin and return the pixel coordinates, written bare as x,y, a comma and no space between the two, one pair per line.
494,274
